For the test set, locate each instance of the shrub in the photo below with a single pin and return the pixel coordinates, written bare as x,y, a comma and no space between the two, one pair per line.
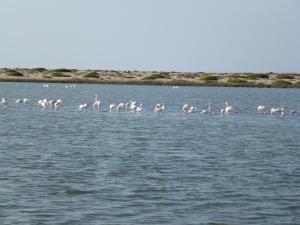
281,83
63,70
155,76
285,76
38,70
91,75
13,73
256,76
60,75
208,78
236,81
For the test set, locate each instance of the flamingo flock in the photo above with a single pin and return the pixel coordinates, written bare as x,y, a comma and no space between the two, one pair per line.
138,107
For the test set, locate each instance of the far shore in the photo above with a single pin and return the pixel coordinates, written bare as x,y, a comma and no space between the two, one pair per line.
263,80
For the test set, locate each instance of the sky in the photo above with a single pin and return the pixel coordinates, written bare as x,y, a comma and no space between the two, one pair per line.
148,35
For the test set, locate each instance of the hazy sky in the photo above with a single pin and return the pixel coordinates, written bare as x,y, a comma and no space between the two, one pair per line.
179,35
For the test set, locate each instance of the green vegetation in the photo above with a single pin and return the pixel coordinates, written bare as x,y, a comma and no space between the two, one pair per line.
208,78
38,70
60,75
281,84
236,81
285,76
91,75
255,76
13,73
63,70
155,76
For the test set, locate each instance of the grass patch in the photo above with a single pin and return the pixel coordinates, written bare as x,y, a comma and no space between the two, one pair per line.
255,76
281,84
208,78
63,70
155,76
91,75
236,81
13,73
285,76
56,74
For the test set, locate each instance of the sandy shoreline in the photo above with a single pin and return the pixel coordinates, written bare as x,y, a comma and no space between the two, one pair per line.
280,80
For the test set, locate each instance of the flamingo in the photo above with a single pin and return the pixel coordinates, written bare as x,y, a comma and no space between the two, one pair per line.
4,102
228,109
97,103
138,108
43,103
19,101
83,106
262,109
159,108
208,110
121,106
112,107
276,110
192,109
26,100
185,108
58,104
133,105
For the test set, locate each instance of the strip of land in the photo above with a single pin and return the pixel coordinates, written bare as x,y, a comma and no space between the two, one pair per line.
278,80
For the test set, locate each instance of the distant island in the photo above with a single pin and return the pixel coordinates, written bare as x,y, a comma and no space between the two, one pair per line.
277,80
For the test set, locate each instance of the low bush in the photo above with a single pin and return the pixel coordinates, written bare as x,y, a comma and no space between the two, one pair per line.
285,76
236,81
62,70
155,76
38,70
208,78
255,76
56,74
13,73
91,75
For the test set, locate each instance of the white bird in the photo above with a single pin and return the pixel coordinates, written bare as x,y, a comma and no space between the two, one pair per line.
159,108
229,109
4,102
127,105
83,106
58,104
192,109
19,101
276,110
262,109
133,105
121,106
26,101
97,103
208,110
43,103
185,108
112,107
138,108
